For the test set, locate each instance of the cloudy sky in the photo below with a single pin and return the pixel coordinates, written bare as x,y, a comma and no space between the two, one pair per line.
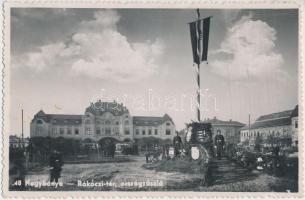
63,59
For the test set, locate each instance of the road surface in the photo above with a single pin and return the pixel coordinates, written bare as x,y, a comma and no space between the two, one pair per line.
227,176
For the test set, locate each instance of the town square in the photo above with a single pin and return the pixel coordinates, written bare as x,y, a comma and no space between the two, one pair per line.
153,100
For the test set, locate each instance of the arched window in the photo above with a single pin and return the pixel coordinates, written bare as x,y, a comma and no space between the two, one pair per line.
39,121
107,122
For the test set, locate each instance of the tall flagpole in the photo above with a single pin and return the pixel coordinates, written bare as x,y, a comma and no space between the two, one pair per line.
199,31
22,136
198,75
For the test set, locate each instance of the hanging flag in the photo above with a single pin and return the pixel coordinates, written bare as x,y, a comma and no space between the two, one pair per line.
200,39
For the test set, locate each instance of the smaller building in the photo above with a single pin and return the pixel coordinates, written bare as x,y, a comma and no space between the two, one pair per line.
279,128
229,129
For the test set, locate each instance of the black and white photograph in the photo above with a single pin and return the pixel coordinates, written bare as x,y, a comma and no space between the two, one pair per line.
153,99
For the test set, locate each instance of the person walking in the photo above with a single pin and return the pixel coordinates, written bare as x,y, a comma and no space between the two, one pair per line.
56,164
219,143
177,142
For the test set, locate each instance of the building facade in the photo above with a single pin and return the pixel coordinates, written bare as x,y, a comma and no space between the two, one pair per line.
101,120
276,128
229,129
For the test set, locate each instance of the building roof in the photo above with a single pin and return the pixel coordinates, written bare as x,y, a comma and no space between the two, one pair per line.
59,119
282,118
272,116
218,122
295,112
99,108
150,120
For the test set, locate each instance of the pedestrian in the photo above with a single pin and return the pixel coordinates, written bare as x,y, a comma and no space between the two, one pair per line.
56,164
177,144
219,143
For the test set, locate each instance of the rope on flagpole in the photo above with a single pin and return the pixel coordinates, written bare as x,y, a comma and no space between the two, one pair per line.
198,91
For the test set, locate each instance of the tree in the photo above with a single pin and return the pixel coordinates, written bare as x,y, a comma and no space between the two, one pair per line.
270,140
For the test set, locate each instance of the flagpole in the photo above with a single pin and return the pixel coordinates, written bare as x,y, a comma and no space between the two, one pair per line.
198,92
198,80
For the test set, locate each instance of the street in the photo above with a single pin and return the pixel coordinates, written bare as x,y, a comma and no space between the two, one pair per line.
227,176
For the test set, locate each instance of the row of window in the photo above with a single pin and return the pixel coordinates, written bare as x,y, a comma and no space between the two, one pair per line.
257,133
63,131
98,131
151,132
107,122
107,131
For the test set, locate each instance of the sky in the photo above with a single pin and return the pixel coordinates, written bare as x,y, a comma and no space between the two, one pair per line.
63,59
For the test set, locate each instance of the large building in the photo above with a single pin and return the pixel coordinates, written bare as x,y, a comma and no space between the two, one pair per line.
101,120
275,128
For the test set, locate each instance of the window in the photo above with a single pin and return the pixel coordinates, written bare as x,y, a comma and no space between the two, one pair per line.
117,123
98,131
127,132
228,132
107,131
143,132
168,132
126,122
107,122
116,130
156,131
69,131
98,122
296,124
76,131
61,131
88,131
137,131
39,121
87,121
168,124
149,132
54,130
38,130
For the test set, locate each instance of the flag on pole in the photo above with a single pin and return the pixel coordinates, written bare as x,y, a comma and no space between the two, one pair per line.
200,39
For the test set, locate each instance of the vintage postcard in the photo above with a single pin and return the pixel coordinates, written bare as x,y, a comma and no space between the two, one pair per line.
118,99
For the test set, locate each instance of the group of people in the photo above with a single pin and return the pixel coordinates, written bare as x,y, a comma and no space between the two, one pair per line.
219,144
